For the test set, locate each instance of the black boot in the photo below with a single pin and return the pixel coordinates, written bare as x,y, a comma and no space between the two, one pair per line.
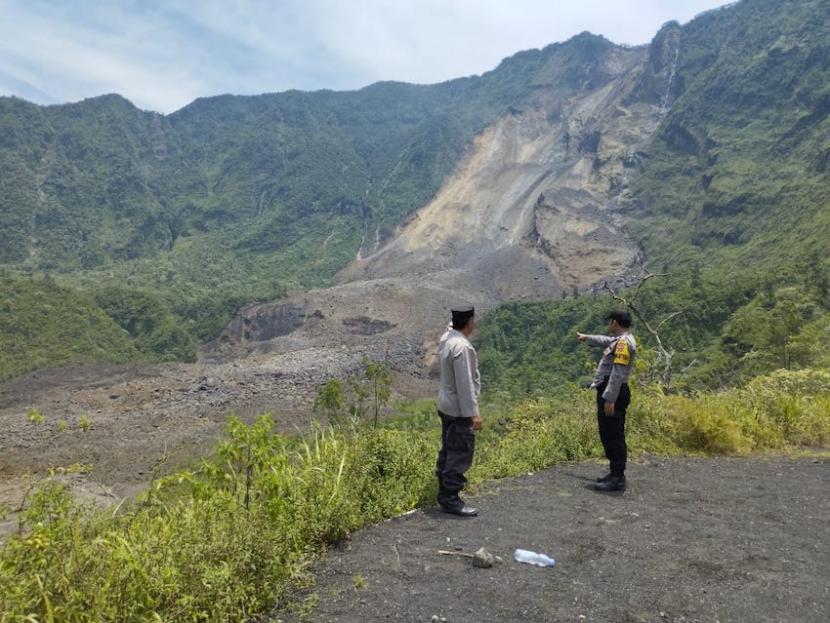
605,478
614,483
460,509
450,502
447,497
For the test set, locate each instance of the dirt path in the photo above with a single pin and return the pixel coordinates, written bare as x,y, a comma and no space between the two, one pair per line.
692,540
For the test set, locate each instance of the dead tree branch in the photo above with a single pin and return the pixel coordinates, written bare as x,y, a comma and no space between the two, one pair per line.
667,318
665,354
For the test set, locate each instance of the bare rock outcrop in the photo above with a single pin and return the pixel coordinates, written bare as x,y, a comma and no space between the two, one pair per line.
530,211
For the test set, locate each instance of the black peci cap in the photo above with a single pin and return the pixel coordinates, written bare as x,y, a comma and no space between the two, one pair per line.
461,314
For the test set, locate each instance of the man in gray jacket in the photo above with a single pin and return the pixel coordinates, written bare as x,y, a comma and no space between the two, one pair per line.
613,394
458,409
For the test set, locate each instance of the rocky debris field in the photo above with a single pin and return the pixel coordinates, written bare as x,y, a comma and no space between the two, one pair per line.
141,420
727,540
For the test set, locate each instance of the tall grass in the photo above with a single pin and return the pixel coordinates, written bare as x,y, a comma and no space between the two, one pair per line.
231,539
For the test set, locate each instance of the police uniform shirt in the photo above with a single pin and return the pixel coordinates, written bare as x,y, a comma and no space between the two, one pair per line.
616,363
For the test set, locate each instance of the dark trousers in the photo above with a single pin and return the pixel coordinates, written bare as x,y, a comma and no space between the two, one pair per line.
612,429
458,443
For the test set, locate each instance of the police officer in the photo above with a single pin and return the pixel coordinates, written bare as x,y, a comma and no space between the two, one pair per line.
613,394
458,409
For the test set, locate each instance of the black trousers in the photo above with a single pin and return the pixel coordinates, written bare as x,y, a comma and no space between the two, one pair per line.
458,443
612,428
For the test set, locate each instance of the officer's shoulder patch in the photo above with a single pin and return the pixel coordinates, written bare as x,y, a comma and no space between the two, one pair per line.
622,355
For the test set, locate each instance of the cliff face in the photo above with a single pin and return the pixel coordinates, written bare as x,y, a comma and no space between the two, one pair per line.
531,210
529,213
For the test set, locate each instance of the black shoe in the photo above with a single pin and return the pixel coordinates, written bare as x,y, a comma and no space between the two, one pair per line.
605,478
461,510
615,483
449,499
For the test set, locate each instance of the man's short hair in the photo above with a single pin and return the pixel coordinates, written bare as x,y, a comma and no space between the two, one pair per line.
461,315
622,317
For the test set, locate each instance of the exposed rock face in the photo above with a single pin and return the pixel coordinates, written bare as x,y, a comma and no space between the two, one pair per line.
657,82
367,326
262,323
531,209
396,319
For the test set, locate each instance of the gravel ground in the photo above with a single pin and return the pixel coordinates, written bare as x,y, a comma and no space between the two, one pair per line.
692,540
144,419
139,414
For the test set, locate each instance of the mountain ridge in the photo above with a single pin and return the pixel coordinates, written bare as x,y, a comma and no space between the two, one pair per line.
236,198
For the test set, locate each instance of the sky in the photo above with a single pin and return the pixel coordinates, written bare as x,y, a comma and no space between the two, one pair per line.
163,55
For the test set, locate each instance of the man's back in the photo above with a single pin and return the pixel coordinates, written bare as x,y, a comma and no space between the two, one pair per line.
460,381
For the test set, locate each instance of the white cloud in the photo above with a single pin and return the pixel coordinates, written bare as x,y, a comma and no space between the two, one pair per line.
161,55
72,57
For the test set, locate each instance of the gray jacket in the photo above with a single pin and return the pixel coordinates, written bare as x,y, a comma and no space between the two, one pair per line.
460,379
616,363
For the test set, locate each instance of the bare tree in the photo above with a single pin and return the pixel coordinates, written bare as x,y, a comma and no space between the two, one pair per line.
631,303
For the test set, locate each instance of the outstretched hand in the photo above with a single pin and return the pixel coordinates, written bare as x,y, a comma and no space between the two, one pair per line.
581,337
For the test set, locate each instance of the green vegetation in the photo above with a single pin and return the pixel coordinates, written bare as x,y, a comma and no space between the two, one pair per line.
730,330
361,395
46,323
231,539
42,323
737,174
148,322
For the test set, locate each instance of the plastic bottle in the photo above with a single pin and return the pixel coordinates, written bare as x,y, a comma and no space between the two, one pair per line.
532,558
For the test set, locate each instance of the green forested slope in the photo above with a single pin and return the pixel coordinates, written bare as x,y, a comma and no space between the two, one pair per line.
44,324
739,169
78,183
730,330
731,197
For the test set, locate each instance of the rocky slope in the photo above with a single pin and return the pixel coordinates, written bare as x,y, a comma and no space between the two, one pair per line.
529,213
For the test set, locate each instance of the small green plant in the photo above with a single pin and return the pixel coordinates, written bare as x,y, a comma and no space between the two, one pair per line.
63,425
308,607
380,381
83,423
359,582
346,402
35,416
74,468
331,401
